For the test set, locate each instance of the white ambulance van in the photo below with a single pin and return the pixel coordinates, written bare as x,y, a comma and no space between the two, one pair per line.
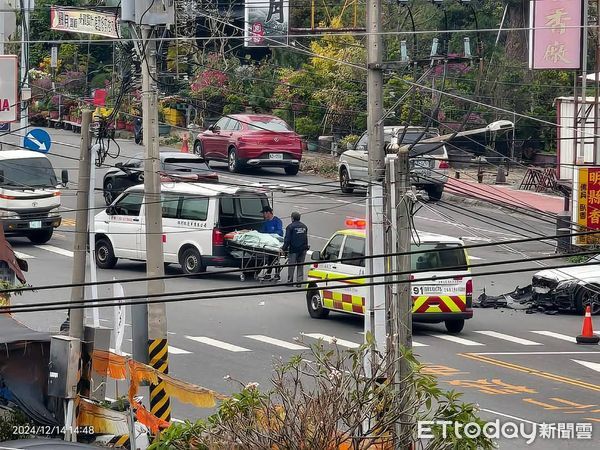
195,218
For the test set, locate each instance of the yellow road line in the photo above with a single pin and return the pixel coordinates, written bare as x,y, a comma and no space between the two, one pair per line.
534,372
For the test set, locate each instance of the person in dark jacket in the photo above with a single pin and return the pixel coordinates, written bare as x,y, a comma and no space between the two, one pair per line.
296,244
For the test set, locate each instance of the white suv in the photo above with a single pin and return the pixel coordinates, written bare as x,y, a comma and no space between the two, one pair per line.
428,161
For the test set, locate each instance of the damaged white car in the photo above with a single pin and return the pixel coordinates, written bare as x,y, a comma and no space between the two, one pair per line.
570,288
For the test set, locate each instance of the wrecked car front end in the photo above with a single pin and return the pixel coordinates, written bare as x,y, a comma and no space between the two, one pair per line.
553,294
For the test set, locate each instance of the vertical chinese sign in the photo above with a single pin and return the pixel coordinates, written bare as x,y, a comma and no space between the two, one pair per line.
266,23
588,204
555,34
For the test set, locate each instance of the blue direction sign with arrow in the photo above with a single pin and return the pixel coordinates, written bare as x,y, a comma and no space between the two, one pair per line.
38,140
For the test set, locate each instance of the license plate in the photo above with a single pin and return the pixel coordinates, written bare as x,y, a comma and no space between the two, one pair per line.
275,155
35,224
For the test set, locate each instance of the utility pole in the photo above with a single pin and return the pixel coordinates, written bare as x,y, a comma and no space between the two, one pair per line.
25,89
81,228
160,404
400,304
375,301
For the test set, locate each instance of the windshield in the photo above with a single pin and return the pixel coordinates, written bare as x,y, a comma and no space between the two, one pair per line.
440,257
184,165
269,124
28,173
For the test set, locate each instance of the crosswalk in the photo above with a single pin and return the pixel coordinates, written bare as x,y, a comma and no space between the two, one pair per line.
247,343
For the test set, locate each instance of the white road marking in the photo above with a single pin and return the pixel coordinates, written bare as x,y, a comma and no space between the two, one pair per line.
124,353
590,365
318,237
177,420
24,255
562,337
330,339
475,239
535,353
219,344
177,351
508,416
277,342
472,228
475,258
508,337
57,250
458,340
418,344
326,212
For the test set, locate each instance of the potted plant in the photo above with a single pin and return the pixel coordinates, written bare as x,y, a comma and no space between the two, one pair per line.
309,128
163,128
121,121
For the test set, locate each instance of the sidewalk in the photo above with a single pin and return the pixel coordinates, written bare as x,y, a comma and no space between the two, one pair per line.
491,195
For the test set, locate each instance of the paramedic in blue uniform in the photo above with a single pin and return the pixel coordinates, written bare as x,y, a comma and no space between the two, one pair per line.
271,225
296,244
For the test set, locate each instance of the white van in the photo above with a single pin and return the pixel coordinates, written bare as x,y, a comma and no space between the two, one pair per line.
29,195
196,218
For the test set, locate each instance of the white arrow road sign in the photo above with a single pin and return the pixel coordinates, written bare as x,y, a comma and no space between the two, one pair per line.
588,364
41,145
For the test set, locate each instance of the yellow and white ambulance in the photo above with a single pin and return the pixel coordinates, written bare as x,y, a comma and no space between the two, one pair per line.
445,300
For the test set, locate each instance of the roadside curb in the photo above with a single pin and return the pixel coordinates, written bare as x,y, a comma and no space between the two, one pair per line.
484,203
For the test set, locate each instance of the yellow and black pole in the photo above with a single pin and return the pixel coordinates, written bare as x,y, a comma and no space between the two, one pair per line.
158,348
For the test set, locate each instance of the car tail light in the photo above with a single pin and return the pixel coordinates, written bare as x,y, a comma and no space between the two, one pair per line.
469,287
218,238
444,165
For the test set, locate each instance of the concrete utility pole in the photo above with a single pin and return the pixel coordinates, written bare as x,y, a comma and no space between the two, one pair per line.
81,227
375,301
400,304
160,404
28,7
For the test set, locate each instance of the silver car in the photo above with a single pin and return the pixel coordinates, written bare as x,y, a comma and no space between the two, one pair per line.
428,161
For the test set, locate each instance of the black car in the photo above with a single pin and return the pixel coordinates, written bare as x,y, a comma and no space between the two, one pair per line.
174,166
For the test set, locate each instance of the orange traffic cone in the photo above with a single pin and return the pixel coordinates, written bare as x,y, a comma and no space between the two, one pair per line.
184,146
587,335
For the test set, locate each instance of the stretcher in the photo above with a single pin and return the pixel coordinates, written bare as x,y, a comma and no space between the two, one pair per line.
258,261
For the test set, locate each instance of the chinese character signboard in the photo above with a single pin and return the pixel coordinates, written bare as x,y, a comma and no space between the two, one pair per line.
587,203
8,88
82,21
266,23
555,34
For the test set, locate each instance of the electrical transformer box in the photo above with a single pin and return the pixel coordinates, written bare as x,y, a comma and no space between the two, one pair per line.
148,12
65,354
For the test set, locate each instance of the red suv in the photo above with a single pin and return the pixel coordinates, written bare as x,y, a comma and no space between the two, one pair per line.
255,140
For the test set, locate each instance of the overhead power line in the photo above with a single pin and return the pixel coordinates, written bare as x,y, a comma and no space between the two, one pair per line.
252,290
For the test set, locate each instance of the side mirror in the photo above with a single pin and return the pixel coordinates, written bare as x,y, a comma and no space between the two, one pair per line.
111,210
64,177
315,256
211,127
119,165
1,176
215,129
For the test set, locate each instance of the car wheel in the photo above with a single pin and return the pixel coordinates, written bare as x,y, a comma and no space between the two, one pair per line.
588,295
315,305
191,261
199,150
345,181
434,192
455,326
105,255
292,170
41,237
109,192
233,162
